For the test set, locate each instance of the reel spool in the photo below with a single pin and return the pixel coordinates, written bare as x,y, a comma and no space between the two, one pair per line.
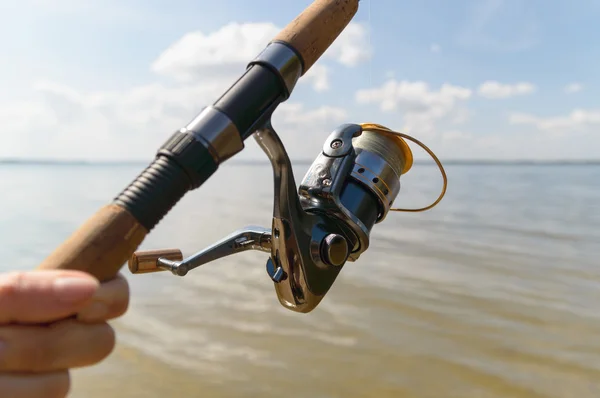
322,224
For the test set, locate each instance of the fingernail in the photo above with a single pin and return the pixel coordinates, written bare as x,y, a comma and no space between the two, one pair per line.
72,289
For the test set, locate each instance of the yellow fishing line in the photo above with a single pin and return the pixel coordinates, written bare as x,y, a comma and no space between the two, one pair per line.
408,159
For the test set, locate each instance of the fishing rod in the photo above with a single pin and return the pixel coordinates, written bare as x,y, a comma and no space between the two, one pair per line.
316,227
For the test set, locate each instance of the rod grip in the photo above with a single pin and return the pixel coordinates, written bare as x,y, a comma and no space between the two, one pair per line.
101,246
317,27
108,239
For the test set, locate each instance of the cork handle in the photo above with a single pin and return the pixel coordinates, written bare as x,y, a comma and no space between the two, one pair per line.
144,262
313,31
101,246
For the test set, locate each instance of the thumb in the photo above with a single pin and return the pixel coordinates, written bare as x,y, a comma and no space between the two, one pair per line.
44,296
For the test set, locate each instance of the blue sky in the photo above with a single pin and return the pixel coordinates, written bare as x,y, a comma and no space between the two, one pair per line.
96,80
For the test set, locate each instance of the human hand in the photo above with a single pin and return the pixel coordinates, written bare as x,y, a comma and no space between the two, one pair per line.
53,321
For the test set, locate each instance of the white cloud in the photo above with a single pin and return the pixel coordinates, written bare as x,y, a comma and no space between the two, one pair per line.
573,88
456,135
303,130
228,50
460,115
318,75
224,51
422,106
578,119
500,143
492,89
438,117
503,144
351,47
435,48
66,122
413,96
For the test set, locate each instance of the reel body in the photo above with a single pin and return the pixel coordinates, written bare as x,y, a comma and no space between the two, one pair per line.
318,226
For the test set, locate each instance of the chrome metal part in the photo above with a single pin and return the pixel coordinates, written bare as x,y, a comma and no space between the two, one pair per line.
249,238
377,175
322,185
339,143
218,131
275,272
284,60
301,277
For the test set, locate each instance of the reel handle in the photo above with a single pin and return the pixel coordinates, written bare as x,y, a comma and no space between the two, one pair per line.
313,31
248,238
144,262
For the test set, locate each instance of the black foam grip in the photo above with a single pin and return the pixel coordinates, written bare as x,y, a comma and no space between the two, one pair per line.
182,164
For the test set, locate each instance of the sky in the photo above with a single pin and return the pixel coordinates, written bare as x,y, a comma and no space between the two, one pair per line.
472,79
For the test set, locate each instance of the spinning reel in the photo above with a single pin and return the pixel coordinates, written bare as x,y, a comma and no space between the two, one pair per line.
320,225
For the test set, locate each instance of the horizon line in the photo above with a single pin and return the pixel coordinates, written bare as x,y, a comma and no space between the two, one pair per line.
81,162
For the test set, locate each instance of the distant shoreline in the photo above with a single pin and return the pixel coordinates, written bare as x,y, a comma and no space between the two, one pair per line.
449,162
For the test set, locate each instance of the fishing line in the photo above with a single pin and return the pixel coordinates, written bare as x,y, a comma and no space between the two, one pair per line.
409,159
370,48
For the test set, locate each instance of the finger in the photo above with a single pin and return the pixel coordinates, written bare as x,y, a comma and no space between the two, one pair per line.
44,296
110,301
45,385
65,344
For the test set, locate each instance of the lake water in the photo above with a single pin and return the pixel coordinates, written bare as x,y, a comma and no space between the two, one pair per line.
493,293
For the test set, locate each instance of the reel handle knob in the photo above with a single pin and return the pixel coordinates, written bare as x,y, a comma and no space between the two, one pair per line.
143,262
335,250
